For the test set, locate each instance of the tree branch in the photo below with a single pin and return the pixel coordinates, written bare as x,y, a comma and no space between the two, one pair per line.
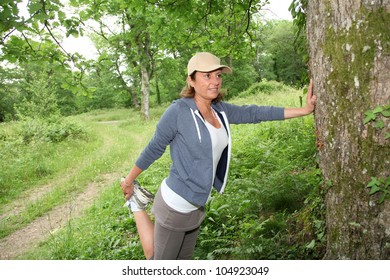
58,43
249,20
28,43
13,30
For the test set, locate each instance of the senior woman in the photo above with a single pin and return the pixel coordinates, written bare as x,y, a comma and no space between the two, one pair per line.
196,127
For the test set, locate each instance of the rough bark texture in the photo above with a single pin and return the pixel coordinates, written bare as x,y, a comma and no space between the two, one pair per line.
145,90
349,45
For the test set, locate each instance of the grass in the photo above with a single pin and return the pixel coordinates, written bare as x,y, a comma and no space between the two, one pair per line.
72,164
271,208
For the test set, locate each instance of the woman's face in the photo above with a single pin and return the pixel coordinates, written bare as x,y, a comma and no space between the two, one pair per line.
207,84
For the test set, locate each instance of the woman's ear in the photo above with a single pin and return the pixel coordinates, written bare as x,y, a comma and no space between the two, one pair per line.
190,82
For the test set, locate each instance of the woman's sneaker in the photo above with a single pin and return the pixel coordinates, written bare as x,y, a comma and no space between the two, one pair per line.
140,199
142,195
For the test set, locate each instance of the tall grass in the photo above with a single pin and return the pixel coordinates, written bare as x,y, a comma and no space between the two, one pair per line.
26,161
272,208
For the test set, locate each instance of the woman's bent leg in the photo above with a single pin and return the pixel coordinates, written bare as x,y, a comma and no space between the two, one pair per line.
145,230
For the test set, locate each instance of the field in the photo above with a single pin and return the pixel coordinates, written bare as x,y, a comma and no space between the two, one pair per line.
61,199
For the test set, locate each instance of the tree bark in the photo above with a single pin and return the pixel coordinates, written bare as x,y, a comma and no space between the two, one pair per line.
143,44
349,47
145,90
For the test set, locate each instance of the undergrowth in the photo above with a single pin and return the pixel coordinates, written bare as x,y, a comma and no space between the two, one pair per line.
271,208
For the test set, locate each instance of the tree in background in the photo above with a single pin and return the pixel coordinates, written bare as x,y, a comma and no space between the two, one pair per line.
30,44
280,54
145,31
349,46
244,76
37,36
40,100
9,93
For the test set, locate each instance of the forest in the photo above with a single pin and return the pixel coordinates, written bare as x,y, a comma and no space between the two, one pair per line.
71,126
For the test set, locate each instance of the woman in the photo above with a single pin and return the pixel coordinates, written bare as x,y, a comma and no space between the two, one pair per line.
197,129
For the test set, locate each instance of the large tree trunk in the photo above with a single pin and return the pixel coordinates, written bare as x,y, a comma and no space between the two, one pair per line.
349,44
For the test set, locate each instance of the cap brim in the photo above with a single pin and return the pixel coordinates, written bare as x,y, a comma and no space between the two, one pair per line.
210,68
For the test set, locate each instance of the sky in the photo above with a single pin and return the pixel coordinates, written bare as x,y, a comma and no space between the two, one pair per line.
277,9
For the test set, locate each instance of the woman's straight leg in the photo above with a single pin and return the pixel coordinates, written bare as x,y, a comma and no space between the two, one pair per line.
167,243
188,246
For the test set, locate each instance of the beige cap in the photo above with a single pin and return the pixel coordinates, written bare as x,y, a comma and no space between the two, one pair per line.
206,62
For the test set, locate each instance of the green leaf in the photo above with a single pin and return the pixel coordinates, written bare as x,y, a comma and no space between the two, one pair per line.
370,115
61,15
379,124
382,198
378,109
355,224
387,135
387,182
375,185
321,236
386,113
34,7
84,15
41,17
374,182
374,189
311,244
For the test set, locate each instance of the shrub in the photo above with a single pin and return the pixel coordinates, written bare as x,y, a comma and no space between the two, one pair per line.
264,86
41,130
39,100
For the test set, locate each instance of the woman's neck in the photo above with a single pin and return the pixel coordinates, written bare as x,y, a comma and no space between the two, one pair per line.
202,104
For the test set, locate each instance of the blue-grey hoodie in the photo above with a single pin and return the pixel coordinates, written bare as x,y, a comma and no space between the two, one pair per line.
183,128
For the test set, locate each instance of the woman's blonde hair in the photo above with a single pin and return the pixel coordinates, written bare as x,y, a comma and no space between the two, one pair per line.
189,92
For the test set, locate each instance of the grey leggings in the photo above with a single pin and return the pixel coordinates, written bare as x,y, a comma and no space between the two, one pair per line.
174,245
175,233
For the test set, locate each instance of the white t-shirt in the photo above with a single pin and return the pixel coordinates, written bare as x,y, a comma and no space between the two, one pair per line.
219,141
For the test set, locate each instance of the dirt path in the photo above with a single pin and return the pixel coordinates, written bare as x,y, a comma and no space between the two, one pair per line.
28,237
17,206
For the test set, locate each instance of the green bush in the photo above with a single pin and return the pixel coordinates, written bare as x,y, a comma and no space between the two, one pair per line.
35,130
39,100
39,113
264,86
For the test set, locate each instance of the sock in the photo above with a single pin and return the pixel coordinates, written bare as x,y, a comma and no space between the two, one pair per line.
133,206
